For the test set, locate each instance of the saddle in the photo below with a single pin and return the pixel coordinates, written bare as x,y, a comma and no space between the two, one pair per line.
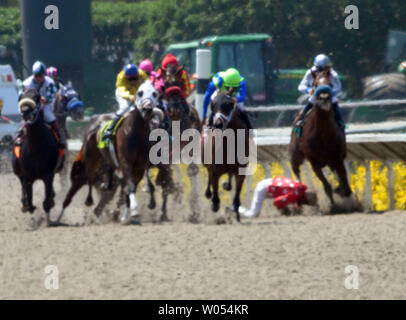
17,148
104,144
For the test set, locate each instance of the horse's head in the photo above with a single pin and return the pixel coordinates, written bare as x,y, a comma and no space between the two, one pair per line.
224,109
28,106
173,95
147,101
173,75
323,97
71,103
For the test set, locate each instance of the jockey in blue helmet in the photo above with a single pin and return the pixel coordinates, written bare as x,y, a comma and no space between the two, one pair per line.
127,83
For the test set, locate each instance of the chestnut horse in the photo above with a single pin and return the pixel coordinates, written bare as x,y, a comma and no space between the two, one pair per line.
131,148
226,118
322,142
38,157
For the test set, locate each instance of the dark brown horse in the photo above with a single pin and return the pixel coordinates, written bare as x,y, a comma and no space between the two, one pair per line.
38,158
322,142
187,117
226,121
130,149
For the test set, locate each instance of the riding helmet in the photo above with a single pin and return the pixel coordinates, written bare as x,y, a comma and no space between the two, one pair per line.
146,65
130,70
52,72
169,59
231,77
322,61
38,68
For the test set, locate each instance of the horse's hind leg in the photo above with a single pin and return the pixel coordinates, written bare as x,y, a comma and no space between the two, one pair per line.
49,201
236,202
151,189
327,187
344,188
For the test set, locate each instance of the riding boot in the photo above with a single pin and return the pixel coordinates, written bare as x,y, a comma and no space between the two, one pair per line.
109,133
246,118
186,107
211,118
55,128
338,116
19,135
300,120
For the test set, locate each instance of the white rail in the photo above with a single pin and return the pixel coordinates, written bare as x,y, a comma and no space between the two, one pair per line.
355,104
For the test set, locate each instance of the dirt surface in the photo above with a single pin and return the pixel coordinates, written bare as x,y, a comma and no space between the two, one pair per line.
272,257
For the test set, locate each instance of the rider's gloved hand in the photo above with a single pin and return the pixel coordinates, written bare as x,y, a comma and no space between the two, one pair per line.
43,100
204,121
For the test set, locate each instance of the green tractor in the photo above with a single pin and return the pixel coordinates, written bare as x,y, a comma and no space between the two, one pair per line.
252,55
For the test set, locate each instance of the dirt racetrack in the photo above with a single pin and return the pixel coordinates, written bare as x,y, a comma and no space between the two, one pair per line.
273,257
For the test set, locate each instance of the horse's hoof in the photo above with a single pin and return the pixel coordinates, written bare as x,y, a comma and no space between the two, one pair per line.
24,209
215,207
208,194
164,218
152,205
31,209
89,201
227,186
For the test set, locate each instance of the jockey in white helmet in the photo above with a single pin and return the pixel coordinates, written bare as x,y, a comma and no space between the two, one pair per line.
321,62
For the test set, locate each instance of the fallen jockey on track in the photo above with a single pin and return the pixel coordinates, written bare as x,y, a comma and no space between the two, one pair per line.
283,190
321,63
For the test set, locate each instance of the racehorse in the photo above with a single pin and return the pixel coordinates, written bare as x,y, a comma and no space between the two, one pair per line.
322,142
131,150
67,103
37,158
226,117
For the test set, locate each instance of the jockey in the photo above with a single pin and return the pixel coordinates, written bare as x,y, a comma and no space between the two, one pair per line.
171,59
52,72
221,82
283,190
159,85
47,90
321,62
127,83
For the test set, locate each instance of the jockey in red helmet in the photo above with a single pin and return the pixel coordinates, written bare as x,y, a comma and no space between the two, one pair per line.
171,59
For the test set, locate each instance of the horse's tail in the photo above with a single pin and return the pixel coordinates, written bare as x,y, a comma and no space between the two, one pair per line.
78,166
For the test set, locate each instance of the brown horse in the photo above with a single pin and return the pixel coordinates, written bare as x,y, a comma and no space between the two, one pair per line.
322,142
226,120
130,150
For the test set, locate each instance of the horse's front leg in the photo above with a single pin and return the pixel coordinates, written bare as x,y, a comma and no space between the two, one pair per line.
24,199
327,187
227,184
215,205
236,201
132,205
344,188
208,193
28,191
